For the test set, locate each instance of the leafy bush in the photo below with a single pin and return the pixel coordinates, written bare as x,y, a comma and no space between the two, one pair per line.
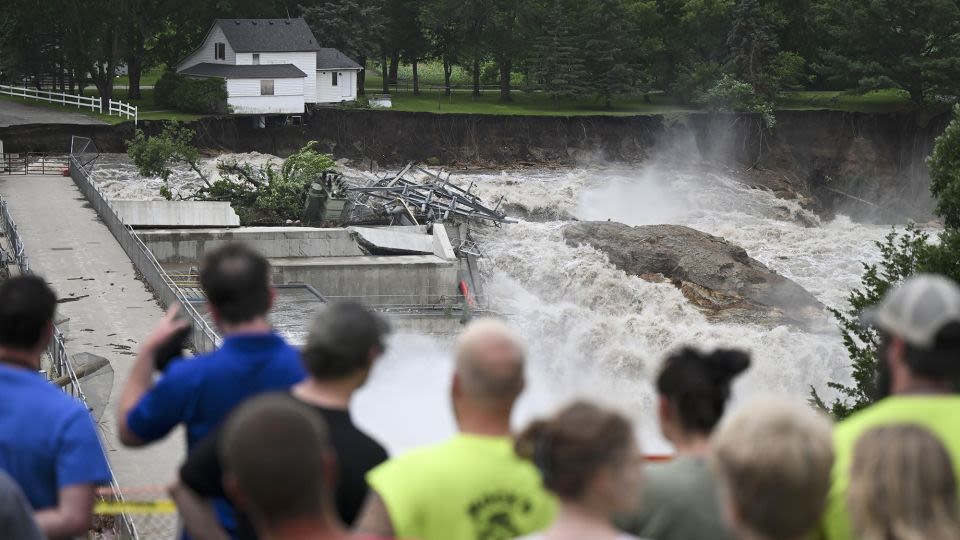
207,96
154,156
164,89
268,195
695,80
729,94
944,165
901,256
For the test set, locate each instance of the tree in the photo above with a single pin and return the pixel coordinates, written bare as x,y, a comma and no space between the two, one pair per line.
355,27
507,38
944,165
913,46
444,28
97,40
557,60
607,45
729,94
751,41
154,156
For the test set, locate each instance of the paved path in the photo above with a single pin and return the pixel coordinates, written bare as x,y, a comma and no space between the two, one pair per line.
15,113
109,310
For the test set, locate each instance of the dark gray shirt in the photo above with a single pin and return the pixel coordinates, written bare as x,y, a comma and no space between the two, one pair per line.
679,501
16,516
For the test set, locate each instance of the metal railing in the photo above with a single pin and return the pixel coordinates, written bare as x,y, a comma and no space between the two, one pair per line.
94,103
13,236
60,363
204,338
33,163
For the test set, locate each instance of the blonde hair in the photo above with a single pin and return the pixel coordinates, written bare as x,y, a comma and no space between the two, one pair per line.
773,461
903,486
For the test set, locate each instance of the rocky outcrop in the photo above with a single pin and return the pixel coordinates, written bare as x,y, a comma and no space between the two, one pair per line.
713,274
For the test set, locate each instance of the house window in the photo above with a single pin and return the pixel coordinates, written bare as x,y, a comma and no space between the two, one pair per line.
256,59
333,81
220,52
266,88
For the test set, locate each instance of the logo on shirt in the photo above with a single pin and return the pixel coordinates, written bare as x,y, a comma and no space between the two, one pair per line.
495,515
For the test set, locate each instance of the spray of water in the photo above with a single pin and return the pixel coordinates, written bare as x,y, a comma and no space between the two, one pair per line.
594,331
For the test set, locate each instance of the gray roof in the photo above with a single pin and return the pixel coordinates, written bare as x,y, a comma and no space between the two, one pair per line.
228,71
269,35
328,58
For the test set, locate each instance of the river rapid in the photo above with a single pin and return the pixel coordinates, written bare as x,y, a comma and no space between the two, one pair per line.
592,330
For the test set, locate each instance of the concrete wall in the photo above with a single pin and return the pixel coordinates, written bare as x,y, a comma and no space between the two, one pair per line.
206,52
345,90
187,246
383,280
176,213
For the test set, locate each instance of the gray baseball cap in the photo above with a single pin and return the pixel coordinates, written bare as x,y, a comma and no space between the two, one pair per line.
917,310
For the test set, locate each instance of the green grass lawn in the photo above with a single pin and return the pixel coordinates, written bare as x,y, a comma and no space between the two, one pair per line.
146,109
147,78
877,101
526,104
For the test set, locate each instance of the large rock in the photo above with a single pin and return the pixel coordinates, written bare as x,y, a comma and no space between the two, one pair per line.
715,275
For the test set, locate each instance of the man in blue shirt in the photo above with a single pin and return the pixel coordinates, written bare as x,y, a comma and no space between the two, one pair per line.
201,391
48,442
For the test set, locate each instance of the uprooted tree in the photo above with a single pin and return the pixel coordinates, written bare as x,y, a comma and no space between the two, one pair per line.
261,195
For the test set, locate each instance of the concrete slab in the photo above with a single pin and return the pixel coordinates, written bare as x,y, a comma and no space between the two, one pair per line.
441,243
376,280
110,310
187,246
16,113
145,214
385,240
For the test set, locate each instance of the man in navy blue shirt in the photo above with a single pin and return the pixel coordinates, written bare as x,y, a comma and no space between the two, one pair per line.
48,442
201,391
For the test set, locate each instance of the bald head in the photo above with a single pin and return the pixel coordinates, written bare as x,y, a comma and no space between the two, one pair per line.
489,362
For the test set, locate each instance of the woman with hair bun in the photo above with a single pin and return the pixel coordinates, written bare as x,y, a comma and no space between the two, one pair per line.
589,458
679,499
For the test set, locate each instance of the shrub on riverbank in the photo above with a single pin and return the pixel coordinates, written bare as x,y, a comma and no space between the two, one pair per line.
203,96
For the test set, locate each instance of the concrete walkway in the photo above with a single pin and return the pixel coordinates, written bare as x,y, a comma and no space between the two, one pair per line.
16,113
109,310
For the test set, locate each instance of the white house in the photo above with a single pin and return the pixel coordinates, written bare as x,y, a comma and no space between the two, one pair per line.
270,65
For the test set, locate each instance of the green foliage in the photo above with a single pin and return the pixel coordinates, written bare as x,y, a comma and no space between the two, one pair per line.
355,27
269,195
914,46
944,165
153,156
557,66
207,96
164,89
607,46
901,256
729,94
751,41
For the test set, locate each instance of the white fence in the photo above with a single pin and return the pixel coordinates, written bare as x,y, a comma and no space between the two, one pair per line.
87,102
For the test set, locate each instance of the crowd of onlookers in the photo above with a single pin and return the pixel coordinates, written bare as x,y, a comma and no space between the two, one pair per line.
275,454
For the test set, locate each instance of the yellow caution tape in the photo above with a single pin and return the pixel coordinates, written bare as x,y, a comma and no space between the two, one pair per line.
161,506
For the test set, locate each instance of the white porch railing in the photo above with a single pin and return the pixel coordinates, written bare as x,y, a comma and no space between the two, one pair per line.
87,102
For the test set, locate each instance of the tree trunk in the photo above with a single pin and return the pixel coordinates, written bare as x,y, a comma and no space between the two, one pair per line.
394,66
135,63
447,72
362,77
476,77
386,75
506,68
416,78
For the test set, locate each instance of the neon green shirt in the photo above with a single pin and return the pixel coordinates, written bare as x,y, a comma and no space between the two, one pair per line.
467,488
939,414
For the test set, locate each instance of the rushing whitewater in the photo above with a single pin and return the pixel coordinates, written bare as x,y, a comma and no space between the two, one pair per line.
594,331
